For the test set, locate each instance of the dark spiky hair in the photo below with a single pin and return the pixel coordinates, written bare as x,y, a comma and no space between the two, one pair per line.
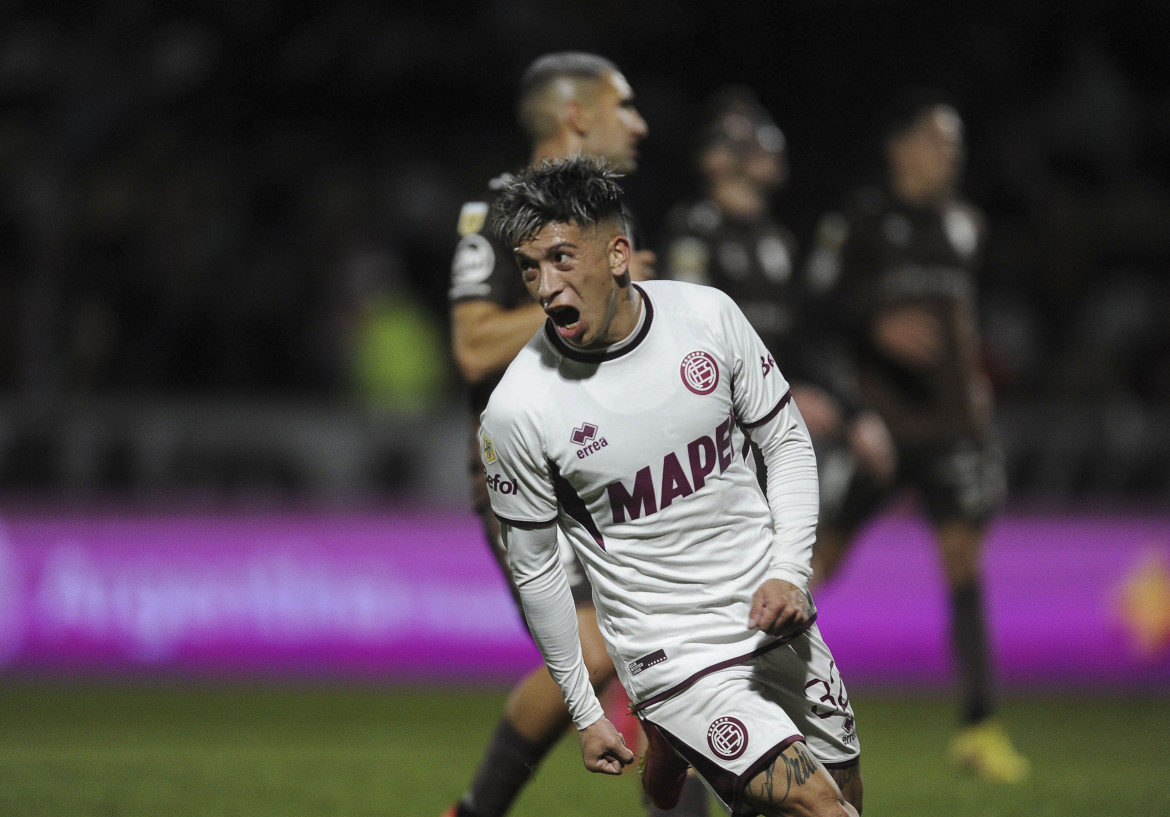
581,190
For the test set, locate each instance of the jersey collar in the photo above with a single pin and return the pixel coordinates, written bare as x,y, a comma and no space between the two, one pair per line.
613,352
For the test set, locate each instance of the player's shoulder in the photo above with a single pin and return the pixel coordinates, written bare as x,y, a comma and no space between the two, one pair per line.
691,228
535,361
478,253
964,226
959,206
523,386
682,297
473,215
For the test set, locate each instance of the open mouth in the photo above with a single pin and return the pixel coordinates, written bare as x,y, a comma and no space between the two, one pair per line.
565,317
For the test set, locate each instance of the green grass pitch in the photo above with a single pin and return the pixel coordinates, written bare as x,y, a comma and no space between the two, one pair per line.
72,749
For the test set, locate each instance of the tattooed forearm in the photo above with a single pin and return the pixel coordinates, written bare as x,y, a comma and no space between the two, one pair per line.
801,767
768,786
790,771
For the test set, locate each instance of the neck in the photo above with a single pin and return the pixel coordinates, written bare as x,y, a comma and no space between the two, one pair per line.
554,147
624,310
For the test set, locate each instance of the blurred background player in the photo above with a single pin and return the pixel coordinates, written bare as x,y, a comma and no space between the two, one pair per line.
898,266
569,103
730,238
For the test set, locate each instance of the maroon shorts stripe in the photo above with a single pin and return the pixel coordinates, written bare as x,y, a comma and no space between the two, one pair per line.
730,662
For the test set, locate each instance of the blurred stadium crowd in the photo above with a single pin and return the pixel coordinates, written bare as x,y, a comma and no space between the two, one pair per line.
227,227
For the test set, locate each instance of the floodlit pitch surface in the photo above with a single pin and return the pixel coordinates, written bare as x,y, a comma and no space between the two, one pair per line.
69,749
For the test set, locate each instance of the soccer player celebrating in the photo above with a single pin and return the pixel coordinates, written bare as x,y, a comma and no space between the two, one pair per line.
621,427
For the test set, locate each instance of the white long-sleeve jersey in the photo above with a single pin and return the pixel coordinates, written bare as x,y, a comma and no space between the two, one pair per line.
637,454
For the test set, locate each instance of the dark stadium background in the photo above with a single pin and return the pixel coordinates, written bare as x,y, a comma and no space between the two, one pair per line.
200,201
232,442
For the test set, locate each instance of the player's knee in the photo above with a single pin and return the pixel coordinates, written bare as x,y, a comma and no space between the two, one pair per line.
848,780
961,566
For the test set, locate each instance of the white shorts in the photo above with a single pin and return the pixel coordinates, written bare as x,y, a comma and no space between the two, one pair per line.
732,724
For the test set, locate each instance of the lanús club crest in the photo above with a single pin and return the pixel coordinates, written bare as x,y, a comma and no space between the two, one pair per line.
700,372
727,737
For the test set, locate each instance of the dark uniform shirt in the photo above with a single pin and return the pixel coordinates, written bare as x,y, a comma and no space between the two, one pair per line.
484,270
878,254
754,261
751,260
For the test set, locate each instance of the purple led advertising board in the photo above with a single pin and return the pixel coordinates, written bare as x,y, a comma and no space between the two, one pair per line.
1072,600
395,595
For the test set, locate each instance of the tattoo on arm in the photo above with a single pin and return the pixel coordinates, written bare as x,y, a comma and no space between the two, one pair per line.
797,771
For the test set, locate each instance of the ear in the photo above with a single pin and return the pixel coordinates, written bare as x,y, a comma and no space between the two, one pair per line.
620,253
577,117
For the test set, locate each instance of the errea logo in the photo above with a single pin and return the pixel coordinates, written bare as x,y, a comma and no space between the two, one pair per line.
585,437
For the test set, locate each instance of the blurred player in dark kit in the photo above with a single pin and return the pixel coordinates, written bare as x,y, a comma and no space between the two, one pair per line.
569,103
731,239
898,264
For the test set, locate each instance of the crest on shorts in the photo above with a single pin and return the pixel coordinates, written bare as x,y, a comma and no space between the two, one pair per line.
488,448
472,217
727,737
700,372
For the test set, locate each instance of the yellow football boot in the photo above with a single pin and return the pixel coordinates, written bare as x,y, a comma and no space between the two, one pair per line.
985,751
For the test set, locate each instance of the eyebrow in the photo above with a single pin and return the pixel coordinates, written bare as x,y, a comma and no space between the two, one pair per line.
560,245
550,251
